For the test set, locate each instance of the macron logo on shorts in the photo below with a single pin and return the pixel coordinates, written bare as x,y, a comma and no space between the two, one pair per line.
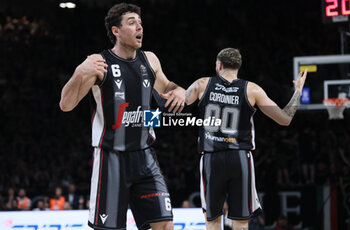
103,218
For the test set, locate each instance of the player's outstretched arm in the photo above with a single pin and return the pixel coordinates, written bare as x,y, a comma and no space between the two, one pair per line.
174,94
283,116
196,90
84,77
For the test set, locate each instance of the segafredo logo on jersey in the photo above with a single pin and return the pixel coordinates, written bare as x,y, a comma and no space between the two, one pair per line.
127,118
227,90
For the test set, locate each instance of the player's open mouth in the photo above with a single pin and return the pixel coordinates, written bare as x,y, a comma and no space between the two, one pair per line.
139,38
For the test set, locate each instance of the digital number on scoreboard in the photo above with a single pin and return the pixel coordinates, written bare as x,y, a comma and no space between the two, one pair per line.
334,11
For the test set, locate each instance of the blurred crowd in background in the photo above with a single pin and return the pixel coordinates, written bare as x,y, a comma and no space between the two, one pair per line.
45,156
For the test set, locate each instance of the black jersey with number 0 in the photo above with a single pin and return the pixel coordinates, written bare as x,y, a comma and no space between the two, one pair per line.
227,101
118,104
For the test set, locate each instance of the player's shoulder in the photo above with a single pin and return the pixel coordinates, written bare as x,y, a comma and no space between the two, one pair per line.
252,86
253,89
153,60
96,56
202,81
150,55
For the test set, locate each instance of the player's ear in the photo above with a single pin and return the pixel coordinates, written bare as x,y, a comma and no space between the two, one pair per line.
115,31
218,65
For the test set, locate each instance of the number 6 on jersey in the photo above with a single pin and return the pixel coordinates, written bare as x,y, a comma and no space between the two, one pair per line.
167,204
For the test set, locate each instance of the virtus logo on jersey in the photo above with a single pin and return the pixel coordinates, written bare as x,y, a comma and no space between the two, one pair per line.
146,83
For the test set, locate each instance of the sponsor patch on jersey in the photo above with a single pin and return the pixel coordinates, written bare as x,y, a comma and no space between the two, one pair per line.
151,118
143,71
119,95
220,139
132,118
227,90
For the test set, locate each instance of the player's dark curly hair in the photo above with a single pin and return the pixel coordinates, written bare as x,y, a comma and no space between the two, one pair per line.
230,58
114,17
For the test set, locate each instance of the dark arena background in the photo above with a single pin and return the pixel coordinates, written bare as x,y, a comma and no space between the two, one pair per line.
302,171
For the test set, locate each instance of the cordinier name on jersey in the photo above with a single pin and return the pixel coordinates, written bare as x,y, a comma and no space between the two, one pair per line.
191,121
223,98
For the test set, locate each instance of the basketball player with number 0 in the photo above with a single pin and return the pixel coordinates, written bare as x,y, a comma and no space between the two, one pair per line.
226,165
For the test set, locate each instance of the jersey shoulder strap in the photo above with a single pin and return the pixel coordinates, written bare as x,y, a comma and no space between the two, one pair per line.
144,59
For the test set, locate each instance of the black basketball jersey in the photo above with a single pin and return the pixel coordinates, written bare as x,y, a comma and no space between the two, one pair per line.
227,101
119,101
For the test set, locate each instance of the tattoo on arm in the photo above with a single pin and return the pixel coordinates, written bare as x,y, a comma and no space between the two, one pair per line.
293,104
193,90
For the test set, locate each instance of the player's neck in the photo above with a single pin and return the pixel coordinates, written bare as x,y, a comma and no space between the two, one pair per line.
229,74
124,52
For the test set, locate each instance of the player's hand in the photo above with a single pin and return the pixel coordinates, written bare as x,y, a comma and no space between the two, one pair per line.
299,83
94,65
175,99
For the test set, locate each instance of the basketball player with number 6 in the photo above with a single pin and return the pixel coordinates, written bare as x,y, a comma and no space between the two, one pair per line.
226,165
125,168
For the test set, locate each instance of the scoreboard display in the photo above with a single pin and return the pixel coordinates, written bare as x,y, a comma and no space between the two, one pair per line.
335,11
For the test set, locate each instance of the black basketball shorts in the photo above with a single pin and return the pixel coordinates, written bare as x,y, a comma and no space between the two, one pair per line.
120,179
229,175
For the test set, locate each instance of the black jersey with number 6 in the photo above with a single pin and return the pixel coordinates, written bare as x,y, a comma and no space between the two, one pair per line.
227,101
118,104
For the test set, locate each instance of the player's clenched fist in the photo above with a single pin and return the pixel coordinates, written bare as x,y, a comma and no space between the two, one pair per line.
94,65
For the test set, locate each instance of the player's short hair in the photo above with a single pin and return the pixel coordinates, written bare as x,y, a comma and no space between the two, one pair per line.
230,58
114,17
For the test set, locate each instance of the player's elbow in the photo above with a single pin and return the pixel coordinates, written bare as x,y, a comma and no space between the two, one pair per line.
284,122
64,107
